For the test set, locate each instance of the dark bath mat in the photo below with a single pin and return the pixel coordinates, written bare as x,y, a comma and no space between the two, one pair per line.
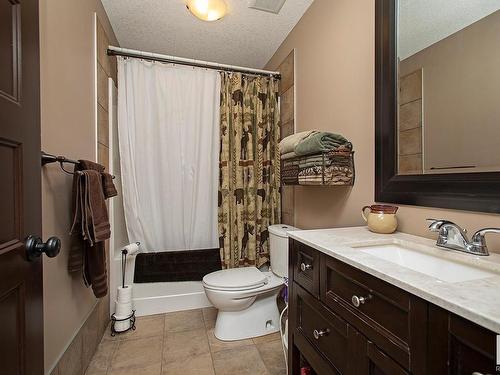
186,265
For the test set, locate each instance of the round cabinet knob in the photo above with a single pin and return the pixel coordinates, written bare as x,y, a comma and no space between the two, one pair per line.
305,267
322,332
358,301
35,247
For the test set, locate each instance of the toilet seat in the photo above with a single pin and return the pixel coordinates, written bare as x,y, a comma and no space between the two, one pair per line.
235,279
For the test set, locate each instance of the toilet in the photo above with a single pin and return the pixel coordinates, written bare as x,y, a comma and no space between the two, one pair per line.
246,297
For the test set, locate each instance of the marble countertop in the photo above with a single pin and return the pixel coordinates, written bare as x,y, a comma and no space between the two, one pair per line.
475,300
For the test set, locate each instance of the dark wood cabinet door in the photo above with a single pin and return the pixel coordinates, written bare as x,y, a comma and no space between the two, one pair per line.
472,348
457,346
380,363
21,327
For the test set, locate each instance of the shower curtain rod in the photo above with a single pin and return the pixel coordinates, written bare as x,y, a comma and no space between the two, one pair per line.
117,51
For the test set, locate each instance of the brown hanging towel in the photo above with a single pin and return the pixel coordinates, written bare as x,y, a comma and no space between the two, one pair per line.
90,228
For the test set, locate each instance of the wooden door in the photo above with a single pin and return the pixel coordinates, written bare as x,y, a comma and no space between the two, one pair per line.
21,321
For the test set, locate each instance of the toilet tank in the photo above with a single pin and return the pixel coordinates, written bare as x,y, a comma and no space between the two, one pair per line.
278,247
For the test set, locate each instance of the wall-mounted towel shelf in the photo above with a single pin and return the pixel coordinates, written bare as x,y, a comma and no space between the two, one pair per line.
49,158
333,168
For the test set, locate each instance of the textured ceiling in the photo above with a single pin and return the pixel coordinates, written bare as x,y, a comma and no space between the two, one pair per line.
246,37
425,22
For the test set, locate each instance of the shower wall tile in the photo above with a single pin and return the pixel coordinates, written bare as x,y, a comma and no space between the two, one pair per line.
287,218
287,204
287,73
410,142
287,106
102,87
287,129
410,88
287,112
410,115
103,155
102,126
102,46
410,164
113,68
410,124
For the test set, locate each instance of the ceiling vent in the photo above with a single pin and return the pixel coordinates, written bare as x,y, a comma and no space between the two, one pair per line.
271,6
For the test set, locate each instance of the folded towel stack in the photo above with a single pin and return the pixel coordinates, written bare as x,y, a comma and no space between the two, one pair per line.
312,142
288,144
320,142
316,158
331,175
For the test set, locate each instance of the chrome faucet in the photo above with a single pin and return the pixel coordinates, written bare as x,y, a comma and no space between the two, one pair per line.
452,236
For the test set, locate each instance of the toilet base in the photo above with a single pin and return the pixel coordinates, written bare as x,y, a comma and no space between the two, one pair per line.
261,318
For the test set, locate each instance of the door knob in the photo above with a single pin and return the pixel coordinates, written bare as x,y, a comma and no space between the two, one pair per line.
35,247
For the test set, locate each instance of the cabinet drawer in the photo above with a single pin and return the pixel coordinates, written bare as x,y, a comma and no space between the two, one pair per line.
383,313
382,303
306,267
325,331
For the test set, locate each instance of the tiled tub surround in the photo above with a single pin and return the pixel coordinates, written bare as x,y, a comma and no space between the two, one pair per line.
184,343
475,300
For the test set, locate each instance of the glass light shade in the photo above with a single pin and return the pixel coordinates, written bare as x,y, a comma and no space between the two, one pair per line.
207,10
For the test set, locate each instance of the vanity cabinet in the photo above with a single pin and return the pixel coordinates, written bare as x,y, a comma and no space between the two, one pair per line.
345,321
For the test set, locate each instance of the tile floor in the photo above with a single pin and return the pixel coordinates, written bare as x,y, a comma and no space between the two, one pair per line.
184,343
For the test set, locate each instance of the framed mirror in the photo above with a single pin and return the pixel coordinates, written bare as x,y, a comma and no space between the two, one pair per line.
437,103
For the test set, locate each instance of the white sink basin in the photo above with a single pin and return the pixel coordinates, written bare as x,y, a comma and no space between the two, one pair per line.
439,268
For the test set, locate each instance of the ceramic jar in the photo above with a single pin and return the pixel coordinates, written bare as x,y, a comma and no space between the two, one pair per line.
380,218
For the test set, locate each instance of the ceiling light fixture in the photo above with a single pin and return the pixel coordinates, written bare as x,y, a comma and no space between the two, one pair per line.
207,10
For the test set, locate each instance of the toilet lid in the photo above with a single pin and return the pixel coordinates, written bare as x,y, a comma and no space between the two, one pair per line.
236,278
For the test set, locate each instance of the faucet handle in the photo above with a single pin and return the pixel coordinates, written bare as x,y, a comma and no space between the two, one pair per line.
478,243
479,239
436,224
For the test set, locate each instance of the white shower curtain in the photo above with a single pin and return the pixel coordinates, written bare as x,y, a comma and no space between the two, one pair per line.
168,125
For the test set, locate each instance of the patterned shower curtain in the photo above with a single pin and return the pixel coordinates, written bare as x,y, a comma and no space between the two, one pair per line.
249,176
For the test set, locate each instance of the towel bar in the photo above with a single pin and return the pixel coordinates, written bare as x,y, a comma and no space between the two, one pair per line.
49,158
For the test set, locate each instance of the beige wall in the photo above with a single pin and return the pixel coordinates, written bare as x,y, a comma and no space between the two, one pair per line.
461,91
68,128
335,92
334,49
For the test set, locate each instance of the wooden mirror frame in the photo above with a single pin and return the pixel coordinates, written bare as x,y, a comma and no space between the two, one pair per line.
465,191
